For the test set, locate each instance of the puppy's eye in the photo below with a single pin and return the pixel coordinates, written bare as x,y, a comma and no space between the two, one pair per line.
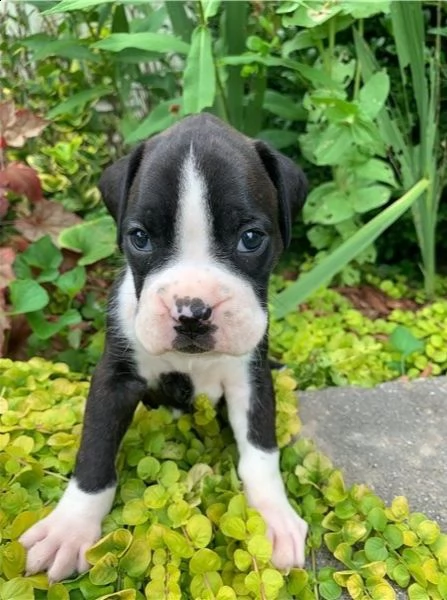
140,240
251,240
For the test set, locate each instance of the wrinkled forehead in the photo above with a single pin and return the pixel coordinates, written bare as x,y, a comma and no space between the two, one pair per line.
222,176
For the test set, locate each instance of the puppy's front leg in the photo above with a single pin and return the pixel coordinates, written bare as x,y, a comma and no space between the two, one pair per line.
251,410
58,543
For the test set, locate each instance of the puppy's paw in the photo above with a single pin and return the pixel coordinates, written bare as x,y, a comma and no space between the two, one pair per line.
58,544
287,531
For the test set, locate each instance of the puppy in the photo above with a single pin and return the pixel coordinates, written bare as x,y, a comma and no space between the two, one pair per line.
203,214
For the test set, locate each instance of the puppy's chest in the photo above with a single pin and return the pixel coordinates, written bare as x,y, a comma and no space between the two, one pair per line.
176,383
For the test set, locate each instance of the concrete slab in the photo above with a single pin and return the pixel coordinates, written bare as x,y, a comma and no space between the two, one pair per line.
392,437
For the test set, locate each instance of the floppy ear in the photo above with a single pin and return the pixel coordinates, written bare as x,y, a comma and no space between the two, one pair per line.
115,184
290,183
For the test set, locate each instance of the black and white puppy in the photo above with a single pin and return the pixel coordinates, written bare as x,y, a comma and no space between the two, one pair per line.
203,213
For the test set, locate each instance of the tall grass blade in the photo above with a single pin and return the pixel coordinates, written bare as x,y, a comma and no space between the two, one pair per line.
234,38
322,274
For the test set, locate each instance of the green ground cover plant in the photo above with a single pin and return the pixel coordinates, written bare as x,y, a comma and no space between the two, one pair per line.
180,527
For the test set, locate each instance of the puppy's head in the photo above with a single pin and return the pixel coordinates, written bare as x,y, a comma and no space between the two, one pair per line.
202,213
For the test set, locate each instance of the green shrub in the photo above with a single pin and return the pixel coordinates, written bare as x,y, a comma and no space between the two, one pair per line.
180,527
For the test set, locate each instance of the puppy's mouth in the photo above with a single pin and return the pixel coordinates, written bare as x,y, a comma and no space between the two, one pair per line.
194,336
194,344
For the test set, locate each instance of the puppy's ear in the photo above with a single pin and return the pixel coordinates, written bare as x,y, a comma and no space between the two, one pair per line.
290,183
115,184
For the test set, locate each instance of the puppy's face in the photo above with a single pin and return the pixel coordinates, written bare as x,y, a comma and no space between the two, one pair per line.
202,215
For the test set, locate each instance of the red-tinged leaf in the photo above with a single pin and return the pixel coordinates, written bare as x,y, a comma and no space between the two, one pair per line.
7,115
22,180
4,203
47,218
5,322
26,125
7,257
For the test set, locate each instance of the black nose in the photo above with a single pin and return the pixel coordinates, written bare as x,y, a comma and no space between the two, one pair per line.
192,326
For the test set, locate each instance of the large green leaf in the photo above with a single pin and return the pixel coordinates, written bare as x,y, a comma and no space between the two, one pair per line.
44,46
67,5
94,239
77,101
152,42
199,83
163,116
283,106
27,296
321,275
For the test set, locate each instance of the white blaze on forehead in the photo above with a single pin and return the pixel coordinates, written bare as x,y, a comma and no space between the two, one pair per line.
193,222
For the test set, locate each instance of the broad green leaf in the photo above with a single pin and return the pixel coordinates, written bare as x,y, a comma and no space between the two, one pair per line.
44,329
160,118
17,588
203,561
43,254
179,545
199,80
27,296
368,198
404,341
58,591
308,16
375,549
78,101
376,170
43,46
283,106
116,542
319,276
210,8
137,558
278,138
152,42
373,95
199,530
105,570
363,10
233,527
260,548
334,208
417,592
393,536
329,590
401,575
72,282
94,239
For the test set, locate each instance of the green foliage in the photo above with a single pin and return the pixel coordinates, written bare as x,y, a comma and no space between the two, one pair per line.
54,300
328,342
180,526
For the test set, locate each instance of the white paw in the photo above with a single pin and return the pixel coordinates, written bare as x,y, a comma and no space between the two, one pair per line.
58,543
287,531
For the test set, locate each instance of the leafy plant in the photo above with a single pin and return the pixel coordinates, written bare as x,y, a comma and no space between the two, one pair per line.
180,526
411,130
53,298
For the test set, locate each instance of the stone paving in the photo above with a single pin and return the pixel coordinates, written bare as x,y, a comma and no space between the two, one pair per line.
392,437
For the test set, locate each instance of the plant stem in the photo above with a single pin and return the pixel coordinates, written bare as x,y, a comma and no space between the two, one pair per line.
358,71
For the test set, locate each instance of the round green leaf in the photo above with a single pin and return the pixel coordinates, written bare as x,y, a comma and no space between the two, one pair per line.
27,296
375,549
199,530
203,561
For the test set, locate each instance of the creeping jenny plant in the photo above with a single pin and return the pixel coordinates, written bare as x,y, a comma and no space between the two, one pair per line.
180,527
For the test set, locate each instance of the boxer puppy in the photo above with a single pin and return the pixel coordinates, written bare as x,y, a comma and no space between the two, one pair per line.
203,213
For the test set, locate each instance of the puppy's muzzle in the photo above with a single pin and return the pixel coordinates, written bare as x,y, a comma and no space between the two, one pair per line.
194,329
